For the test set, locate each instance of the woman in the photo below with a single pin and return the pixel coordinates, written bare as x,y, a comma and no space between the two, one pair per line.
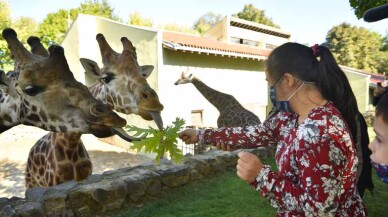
379,146
316,155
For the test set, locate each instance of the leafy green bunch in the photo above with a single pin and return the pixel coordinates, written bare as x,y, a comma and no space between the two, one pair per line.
158,141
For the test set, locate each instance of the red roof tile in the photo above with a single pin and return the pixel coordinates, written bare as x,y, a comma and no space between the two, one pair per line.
198,42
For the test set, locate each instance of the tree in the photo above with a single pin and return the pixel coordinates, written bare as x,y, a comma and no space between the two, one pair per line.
256,15
97,8
178,28
25,27
206,21
5,21
54,26
382,57
360,6
137,19
355,47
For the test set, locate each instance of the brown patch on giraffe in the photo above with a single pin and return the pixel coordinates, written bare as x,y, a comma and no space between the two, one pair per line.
8,118
60,154
81,152
33,117
65,172
69,153
74,157
84,169
63,128
34,108
41,171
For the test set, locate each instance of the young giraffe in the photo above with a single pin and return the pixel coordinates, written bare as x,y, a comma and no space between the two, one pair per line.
44,93
232,113
123,87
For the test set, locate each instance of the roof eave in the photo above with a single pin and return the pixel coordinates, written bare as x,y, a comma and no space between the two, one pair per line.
178,47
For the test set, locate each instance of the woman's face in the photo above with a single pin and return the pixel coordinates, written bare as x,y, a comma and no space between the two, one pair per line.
281,89
379,146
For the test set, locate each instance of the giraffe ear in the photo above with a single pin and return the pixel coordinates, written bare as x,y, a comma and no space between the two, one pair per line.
90,67
4,81
146,70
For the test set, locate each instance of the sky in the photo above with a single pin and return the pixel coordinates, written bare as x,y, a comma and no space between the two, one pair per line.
308,21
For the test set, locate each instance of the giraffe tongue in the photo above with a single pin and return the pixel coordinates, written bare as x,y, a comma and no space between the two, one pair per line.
158,119
120,132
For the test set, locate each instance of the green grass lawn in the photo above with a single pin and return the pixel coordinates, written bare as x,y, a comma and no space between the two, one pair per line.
227,195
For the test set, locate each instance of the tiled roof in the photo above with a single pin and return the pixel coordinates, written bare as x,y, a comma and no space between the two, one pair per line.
181,41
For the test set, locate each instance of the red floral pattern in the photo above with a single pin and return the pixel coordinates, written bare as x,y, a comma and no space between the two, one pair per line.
316,161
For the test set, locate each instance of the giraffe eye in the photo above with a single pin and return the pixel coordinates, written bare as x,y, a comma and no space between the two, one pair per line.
107,78
33,90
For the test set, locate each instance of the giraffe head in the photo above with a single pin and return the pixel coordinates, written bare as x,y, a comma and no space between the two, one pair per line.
44,93
122,81
186,77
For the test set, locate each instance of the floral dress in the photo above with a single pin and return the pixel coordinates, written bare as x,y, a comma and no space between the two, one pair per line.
316,161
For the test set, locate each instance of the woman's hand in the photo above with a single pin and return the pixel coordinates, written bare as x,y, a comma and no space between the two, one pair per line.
248,166
189,136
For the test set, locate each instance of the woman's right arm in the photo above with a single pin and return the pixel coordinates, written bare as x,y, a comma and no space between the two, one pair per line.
237,137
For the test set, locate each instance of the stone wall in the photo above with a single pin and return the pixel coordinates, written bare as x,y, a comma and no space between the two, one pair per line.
116,189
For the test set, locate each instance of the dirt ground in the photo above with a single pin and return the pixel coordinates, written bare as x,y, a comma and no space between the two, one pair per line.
16,143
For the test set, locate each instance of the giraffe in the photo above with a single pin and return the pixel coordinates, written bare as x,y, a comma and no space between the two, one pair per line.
122,85
232,113
44,93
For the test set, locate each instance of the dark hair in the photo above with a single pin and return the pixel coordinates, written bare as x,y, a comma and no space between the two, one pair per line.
299,60
382,108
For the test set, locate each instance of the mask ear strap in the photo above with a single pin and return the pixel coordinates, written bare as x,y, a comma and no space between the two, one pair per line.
296,91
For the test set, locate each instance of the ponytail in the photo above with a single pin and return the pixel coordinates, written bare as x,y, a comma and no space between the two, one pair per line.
334,86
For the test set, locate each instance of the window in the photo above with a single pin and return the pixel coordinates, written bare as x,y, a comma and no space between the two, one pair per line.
245,41
270,46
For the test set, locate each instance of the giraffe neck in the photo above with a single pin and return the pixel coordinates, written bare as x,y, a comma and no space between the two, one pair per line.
215,97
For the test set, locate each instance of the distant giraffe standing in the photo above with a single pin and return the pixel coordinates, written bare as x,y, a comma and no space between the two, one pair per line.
123,87
232,113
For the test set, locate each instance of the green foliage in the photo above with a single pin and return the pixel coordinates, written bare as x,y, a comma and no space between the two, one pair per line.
160,142
138,20
357,47
5,15
54,26
98,8
207,21
5,21
360,6
25,27
251,13
178,28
